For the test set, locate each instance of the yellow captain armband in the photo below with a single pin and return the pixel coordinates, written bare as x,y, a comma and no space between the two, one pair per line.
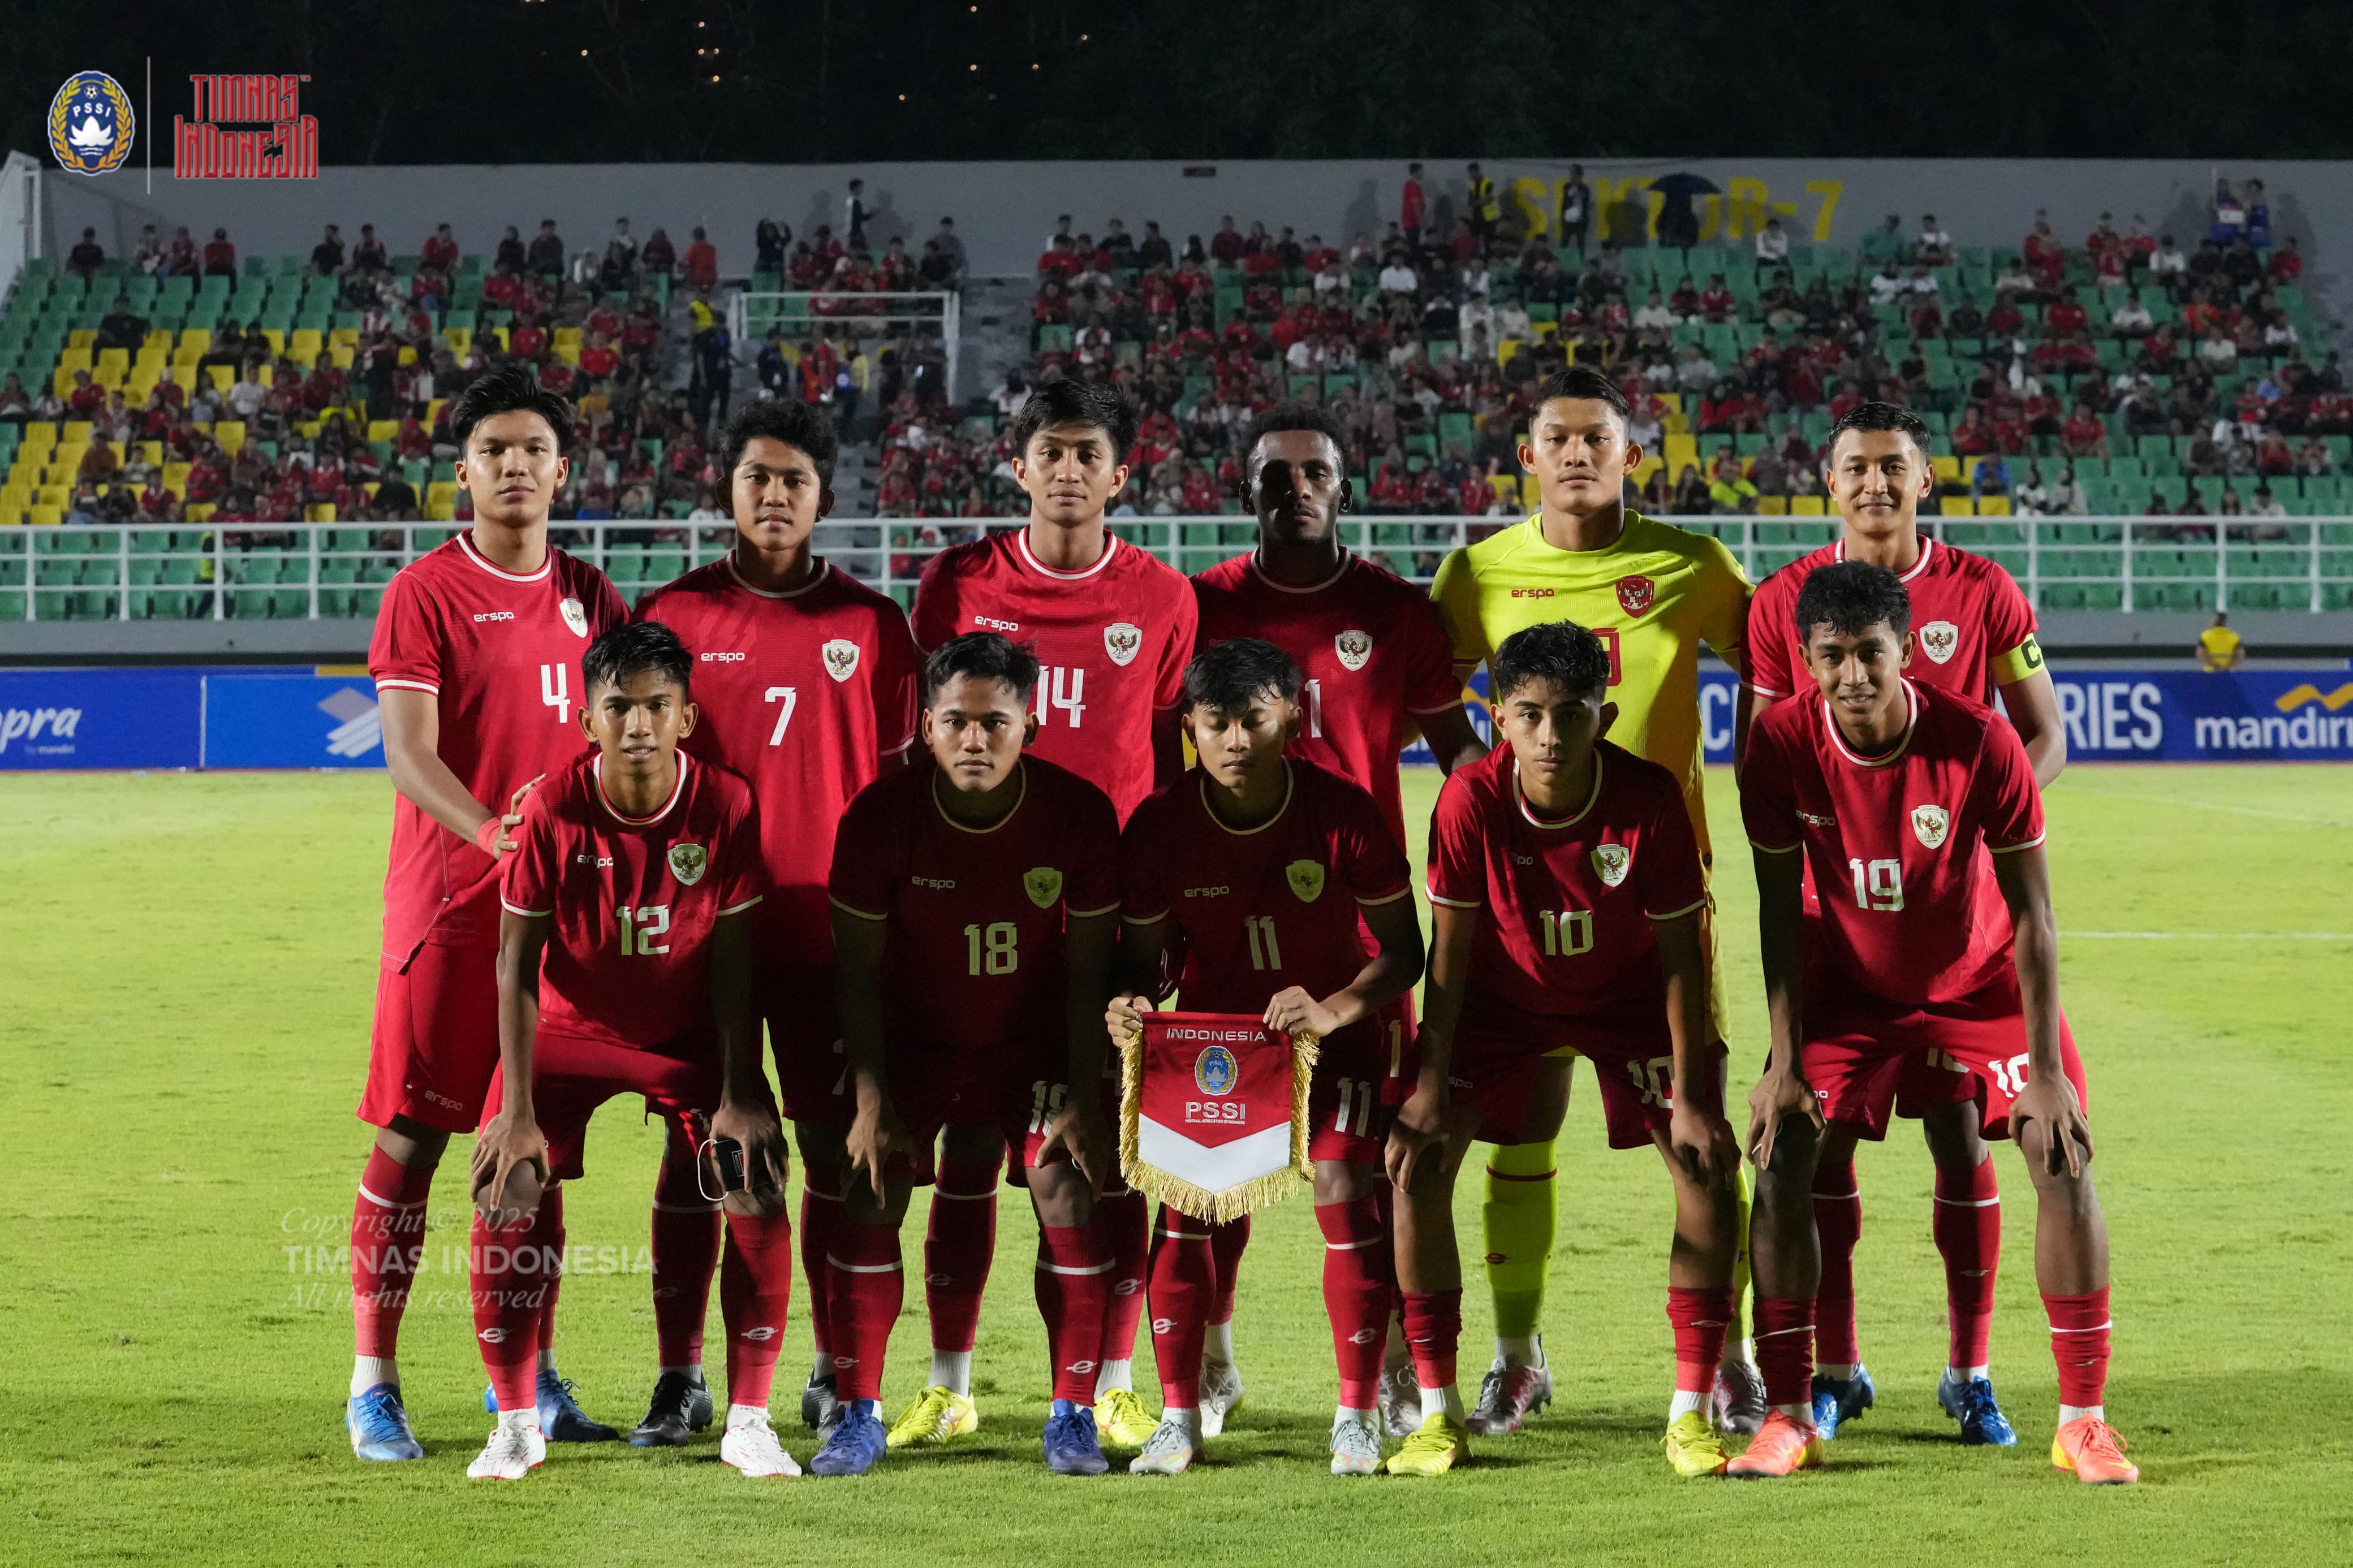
2020,662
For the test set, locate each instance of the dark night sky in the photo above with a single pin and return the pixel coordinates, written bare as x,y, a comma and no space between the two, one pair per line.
821,81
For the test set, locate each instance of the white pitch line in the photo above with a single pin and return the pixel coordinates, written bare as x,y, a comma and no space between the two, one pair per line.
2206,806
2214,935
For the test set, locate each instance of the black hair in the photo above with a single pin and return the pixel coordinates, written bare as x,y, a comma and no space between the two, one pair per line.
1288,416
787,419
1229,677
1069,402
1850,598
982,655
1878,415
1561,652
634,647
1585,383
509,389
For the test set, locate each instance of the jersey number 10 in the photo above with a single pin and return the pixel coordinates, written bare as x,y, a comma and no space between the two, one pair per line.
1566,932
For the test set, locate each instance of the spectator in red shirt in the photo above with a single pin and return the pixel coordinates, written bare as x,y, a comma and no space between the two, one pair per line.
598,358
1061,260
2287,261
702,262
2066,316
1972,436
526,339
2045,257
439,249
660,257
2005,320
1410,206
85,399
1715,302
181,263
220,255
2083,436
1226,245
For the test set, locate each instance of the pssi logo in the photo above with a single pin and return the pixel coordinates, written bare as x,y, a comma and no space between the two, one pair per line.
91,126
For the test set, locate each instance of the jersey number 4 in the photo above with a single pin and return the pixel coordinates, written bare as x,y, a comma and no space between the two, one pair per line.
642,929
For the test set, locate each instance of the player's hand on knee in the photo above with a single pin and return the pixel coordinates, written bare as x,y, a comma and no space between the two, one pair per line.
1080,1132
509,1169
2050,1102
1780,1093
875,1138
1703,1143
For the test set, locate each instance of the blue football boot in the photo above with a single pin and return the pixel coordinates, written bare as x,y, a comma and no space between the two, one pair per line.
378,1424
561,1419
855,1442
1972,1404
1842,1399
1070,1444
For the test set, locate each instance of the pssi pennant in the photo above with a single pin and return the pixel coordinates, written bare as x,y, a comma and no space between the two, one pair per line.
1213,1112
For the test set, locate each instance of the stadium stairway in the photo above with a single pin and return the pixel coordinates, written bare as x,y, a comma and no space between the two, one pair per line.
996,332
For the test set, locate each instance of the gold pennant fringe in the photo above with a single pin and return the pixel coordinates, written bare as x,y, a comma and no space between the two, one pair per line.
1201,1203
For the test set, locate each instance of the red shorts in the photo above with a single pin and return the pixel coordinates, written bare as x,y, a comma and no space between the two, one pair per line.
436,1041
1498,1057
1017,1087
1348,1108
805,1037
1860,1048
571,1077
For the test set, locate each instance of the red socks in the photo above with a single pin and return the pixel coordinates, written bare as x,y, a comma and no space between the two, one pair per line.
1227,1242
1838,1220
1698,1319
1784,1349
820,1212
685,1251
1433,1331
1184,1271
1966,1224
1357,1286
387,1243
1123,1221
866,1282
958,1248
756,1286
1074,1283
2079,1344
511,1266
551,1237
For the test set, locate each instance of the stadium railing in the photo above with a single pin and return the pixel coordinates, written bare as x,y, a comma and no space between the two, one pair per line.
337,570
805,316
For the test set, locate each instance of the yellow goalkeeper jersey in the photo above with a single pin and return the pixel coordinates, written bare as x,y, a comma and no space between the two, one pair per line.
1653,597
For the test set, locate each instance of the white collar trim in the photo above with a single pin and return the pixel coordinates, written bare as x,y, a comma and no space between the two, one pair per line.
473,553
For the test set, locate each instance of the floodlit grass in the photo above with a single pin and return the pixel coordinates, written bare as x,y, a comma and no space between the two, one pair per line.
191,963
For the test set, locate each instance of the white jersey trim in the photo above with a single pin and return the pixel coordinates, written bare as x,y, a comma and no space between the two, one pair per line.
1911,722
2014,848
472,552
408,685
1029,559
1290,783
1927,547
1675,914
823,570
527,914
1257,570
677,789
739,908
1599,763
993,826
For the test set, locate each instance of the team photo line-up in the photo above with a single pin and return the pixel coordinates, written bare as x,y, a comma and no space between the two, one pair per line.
947,862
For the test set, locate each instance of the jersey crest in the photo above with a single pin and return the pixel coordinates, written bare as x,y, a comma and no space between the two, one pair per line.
1611,862
688,862
1122,640
1930,824
1306,880
1213,1071
841,658
1635,593
1354,647
1043,884
1940,640
575,616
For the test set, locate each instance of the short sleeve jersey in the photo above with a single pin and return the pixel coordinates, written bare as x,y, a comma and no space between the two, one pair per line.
1910,909
1653,597
1263,907
1372,652
500,652
1972,628
807,694
1112,641
1569,905
633,900
973,959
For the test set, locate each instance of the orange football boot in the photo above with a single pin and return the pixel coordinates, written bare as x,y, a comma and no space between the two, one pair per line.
1783,1445
2095,1451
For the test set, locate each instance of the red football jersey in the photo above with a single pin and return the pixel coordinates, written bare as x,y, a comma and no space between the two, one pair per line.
807,694
1114,641
974,956
1569,903
633,900
501,652
1910,909
1371,646
1268,907
1972,627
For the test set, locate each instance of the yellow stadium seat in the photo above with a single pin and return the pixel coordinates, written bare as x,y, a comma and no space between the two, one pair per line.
441,493
230,434
276,337
202,511
40,433
1946,466
563,335
151,453
78,433
305,340
459,338
1545,330
116,359
309,428
344,337
46,516
196,339
372,487
1531,492
383,429
1806,506
1645,469
433,411
56,495
151,359
1674,400
1681,449
342,354
568,353
122,452
1772,506
1507,487
264,375
1957,506
82,338
223,377
156,337
322,513
11,516
1993,506
408,354
175,476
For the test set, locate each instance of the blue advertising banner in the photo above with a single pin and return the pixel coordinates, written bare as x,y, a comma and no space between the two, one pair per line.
100,719
291,718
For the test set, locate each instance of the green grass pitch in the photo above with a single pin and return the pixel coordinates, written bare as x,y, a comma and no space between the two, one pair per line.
189,969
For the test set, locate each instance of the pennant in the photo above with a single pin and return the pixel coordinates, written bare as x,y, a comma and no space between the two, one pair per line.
1213,1112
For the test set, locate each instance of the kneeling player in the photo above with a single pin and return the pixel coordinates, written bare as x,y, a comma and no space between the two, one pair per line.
1257,867
973,898
1565,895
624,968
1896,791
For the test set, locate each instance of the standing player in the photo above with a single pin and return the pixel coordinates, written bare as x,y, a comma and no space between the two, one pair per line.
1111,628
805,680
473,657
1653,594
625,968
973,901
1895,791
1264,870
1376,666
1977,632
1565,895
